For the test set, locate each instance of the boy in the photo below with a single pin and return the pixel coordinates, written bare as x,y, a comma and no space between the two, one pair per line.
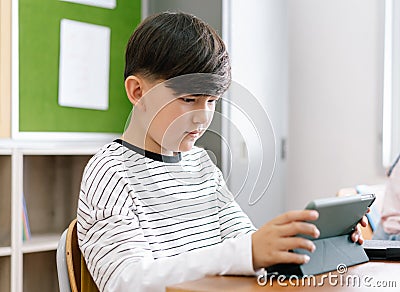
153,209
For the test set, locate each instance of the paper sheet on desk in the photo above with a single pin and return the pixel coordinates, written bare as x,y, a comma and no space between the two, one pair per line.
84,65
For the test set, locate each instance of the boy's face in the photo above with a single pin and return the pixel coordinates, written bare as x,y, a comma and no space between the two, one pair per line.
175,123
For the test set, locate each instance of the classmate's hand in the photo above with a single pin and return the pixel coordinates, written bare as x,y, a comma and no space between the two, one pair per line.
272,242
356,236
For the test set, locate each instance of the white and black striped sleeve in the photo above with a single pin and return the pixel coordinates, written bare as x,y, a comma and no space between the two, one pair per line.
233,221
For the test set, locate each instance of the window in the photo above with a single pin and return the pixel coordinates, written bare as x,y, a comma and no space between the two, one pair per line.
391,86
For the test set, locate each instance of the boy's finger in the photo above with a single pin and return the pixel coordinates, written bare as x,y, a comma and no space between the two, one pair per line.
364,221
291,243
356,236
286,257
361,239
298,227
299,215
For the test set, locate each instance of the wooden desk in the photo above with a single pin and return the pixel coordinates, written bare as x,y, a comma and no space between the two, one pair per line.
387,273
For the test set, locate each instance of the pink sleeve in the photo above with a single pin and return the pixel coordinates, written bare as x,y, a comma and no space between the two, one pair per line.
391,204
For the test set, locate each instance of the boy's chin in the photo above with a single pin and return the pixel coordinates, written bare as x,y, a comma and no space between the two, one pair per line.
184,147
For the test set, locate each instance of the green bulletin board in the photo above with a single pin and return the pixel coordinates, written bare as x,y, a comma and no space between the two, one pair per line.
39,46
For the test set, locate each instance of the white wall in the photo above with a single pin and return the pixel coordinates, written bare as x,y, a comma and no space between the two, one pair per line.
257,42
335,91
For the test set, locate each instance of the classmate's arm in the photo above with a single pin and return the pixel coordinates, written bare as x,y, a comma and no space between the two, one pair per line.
391,205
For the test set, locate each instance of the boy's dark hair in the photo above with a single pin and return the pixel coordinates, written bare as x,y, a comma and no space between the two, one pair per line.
172,44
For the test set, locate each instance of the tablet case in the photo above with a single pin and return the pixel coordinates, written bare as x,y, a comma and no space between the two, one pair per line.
334,248
330,253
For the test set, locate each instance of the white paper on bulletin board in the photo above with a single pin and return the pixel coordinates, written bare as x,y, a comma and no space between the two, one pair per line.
110,4
84,65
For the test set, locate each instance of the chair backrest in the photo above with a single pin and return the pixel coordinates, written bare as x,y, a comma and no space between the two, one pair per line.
79,277
73,255
62,270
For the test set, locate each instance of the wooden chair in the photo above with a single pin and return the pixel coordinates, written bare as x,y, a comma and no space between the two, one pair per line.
79,277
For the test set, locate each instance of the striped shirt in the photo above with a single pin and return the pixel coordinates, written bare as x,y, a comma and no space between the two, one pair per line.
146,220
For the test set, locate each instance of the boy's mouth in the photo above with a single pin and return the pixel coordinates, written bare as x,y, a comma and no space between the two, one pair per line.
195,134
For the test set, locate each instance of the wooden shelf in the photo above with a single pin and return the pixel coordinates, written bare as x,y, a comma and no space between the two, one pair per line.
5,273
5,152
49,147
40,272
51,185
5,251
44,163
48,176
41,243
5,68
5,200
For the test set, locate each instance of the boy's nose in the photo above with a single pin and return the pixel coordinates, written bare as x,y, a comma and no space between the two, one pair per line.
201,116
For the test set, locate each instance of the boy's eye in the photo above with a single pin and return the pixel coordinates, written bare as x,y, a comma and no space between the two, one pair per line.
188,99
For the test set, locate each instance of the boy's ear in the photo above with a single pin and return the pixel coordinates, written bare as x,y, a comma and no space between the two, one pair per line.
135,89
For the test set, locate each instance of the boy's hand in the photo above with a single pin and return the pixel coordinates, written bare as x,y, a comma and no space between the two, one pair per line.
272,242
356,236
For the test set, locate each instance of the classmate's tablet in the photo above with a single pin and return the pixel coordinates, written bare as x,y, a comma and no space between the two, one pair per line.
339,215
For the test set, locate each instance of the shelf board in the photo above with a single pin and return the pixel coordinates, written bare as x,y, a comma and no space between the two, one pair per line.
5,251
50,147
5,151
63,150
39,243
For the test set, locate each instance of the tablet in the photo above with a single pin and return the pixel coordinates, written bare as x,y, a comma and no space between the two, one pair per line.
339,215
